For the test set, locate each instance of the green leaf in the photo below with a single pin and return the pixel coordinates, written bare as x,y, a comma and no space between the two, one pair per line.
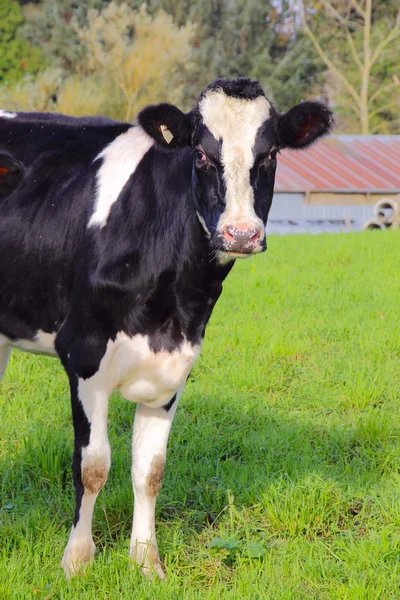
217,543
229,544
255,550
232,543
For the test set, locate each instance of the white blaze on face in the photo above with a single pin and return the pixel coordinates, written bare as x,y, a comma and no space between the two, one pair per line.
235,122
120,160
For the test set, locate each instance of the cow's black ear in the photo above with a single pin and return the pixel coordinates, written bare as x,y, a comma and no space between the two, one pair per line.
304,124
11,174
165,123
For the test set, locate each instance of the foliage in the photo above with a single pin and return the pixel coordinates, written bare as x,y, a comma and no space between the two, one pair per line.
130,59
359,42
50,24
293,405
146,58
16,55
252,39
54,90
294,75
230,39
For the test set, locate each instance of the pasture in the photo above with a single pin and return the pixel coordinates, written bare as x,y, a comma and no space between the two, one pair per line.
283,471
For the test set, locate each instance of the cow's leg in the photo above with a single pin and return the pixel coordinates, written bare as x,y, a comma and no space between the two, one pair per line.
5,352
90,466
149,448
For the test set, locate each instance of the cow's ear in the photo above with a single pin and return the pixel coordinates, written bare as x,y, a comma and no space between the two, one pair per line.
304,124
165,123
11,174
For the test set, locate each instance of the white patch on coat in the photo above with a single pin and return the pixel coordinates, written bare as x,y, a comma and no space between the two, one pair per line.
236,122
7,115
141,375
93,394
151,377
42,343
120,160
149,448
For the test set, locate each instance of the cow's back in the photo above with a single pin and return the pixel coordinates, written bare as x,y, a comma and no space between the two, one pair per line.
44,219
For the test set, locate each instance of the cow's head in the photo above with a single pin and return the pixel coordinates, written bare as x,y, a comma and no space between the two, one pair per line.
235,134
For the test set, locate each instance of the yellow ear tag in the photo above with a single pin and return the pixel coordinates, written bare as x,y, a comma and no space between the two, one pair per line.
167,135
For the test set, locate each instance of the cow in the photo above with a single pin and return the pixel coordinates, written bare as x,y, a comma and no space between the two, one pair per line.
115,240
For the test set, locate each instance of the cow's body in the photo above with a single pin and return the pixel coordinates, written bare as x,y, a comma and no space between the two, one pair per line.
114,247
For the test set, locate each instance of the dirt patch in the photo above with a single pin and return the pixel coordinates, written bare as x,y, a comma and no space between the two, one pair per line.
154,478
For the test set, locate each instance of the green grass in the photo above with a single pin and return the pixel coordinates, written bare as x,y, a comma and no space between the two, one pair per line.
282,479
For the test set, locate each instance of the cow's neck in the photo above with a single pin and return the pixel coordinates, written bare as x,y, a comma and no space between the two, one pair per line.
181,296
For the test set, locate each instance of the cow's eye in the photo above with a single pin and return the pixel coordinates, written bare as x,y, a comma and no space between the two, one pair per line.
200,155
272,156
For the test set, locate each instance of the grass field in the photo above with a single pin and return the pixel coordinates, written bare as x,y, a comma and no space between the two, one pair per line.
283,471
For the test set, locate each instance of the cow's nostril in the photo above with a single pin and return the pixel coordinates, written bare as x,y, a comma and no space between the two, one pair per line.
255,234
228,232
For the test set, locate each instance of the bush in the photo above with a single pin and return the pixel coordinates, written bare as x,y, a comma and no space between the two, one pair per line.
17,57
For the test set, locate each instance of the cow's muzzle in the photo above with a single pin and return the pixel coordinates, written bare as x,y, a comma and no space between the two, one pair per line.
241,239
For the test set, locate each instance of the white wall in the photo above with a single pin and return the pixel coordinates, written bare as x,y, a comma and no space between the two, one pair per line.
291,207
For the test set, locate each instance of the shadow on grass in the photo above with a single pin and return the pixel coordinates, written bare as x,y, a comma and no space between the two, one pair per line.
260,454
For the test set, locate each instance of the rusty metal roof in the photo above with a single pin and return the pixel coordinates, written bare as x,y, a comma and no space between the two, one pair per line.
342,163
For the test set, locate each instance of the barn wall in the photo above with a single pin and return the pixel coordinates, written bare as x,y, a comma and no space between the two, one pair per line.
295,206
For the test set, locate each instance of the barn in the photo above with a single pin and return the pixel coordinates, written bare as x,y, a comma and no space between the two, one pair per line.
335,183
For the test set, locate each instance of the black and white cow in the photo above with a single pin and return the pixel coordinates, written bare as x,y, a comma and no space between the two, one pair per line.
114,243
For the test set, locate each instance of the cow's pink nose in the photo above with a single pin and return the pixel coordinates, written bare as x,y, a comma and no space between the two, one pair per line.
241,238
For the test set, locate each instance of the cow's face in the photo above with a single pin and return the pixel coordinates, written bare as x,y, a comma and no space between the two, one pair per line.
235,134
234,167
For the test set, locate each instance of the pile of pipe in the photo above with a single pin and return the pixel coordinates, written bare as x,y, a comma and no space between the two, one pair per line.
386,214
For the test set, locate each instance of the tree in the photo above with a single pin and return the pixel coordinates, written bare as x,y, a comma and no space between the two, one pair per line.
229,39
128,59
146,58
359,42
294,74
289,70
16,55
49,24
252,39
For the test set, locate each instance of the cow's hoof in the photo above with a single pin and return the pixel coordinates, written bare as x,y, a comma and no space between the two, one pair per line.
146,557
77,555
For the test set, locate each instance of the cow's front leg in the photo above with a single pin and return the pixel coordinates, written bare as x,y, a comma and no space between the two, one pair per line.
90,466
149,448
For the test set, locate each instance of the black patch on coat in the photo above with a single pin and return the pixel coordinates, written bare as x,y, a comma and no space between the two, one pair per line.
11,174
242,87
210,145
262,174
43,220
170,404
82,438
